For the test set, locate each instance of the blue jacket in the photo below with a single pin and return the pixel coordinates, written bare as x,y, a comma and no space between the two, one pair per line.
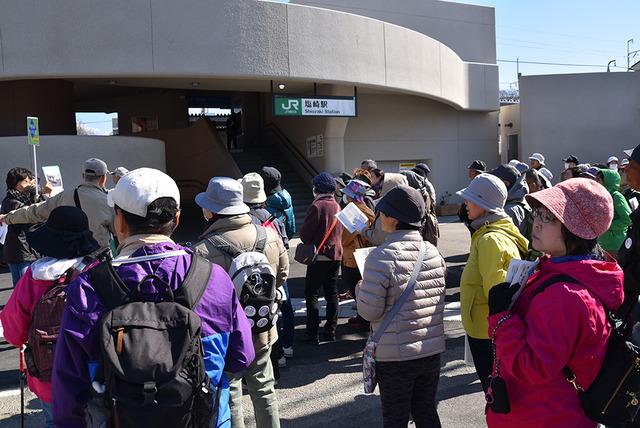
226,334
281,205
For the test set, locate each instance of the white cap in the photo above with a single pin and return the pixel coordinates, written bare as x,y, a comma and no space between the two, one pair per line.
120,171
538,157
612,159
137,189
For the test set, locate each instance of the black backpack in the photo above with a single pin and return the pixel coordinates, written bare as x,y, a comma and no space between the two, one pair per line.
151,370
613,397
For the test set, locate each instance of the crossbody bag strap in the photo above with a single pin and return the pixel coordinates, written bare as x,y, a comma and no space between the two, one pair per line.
76,198
326,236
403,297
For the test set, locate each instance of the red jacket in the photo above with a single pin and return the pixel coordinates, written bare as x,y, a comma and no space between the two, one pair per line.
565,324
317,222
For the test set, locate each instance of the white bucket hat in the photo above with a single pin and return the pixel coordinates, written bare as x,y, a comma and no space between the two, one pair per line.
253,189
537,156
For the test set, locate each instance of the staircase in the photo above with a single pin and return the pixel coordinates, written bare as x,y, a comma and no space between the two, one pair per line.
252,159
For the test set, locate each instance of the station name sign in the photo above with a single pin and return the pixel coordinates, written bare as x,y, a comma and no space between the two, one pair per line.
292,105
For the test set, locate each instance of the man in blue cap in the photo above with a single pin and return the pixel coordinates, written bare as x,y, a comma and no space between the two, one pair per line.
629,253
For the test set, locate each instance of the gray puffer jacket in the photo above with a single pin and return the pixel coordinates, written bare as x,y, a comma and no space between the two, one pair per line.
517,207
417,330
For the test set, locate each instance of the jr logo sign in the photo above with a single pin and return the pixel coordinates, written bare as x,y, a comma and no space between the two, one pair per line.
288,106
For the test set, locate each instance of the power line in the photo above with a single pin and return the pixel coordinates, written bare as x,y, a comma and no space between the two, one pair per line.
557,63
560,34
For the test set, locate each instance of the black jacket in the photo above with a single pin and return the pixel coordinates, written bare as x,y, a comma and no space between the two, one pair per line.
629,260
16,249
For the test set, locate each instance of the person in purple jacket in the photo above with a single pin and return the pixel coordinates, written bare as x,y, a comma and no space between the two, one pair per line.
146,203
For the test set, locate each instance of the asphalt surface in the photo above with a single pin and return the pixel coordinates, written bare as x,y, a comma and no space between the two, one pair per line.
321,385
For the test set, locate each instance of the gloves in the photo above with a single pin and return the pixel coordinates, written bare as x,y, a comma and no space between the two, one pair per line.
500,297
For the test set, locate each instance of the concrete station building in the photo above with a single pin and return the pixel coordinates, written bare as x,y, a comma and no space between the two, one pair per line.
423,75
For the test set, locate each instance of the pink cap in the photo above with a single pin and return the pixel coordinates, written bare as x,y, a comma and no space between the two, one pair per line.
583,206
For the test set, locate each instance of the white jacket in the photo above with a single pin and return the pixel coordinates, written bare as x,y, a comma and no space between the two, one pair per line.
417,330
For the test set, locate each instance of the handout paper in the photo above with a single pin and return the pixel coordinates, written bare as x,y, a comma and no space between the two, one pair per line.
361,255
352,218
53,176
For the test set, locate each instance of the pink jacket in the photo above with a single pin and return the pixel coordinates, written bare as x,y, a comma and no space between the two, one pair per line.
16,317
565,324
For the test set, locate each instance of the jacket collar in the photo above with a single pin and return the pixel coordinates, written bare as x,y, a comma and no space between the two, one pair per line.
403,235
95,186
324,196
227,224
135,242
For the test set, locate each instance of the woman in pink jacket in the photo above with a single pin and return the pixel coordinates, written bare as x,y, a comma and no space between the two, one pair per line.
63,241
564,325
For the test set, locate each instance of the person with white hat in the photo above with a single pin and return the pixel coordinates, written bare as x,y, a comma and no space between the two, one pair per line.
118,173
228,221
494,243
536,161
90,197
152,266
546,177
612,163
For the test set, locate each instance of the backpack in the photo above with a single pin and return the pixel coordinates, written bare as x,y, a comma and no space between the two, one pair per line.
613,397
254,280
430,228
151,370
44,329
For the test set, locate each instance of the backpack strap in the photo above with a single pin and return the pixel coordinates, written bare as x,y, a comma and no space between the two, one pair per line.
223,245
261,239
553,280
76,198
195,283
108,285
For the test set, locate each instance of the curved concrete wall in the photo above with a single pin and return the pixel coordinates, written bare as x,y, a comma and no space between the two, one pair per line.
70,151
234,39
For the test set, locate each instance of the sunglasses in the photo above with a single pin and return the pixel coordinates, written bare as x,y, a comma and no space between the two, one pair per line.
544,216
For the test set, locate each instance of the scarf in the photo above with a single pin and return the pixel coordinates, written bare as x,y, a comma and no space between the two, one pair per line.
25,199
488,219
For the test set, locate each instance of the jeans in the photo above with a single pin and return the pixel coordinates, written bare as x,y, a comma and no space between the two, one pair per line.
322,275
17,270
259,378
409,387
482,359
286,323
48,416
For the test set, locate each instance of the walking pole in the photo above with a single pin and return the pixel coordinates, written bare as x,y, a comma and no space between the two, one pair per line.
22,377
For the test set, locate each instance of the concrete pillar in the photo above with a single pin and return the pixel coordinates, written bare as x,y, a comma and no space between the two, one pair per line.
334,144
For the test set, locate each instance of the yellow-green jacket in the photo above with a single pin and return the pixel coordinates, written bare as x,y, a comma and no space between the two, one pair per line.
492,248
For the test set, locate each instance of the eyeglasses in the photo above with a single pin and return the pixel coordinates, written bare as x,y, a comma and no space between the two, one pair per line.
543,215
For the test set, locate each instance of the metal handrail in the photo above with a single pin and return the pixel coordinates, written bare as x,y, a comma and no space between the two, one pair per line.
292,149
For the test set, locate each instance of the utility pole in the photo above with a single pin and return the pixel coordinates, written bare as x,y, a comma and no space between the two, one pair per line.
628,55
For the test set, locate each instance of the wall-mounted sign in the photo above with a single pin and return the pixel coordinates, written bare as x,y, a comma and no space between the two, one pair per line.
315,146
406,166
288,105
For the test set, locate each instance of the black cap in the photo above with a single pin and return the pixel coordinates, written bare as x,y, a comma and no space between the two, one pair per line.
478,165
424,167
271,177
65,235
571,159
507,173
404,204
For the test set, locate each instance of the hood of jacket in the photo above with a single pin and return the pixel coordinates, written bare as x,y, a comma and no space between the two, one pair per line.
506,227
603,279
518,190
611,180
280,200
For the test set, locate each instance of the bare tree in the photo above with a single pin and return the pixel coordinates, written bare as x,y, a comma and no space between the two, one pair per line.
83,129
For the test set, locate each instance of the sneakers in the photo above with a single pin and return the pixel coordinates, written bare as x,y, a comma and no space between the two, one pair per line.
288,352
282,362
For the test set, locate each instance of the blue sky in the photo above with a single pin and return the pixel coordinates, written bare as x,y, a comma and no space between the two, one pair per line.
554,31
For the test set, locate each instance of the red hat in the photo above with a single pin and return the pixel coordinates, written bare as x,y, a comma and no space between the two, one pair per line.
583,206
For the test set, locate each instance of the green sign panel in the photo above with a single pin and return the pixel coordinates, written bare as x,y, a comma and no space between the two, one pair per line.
284,105
33,131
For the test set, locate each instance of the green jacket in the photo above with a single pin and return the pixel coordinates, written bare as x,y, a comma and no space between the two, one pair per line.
492,248
613,238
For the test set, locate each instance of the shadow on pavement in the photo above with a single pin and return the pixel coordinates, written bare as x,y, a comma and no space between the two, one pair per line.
364,410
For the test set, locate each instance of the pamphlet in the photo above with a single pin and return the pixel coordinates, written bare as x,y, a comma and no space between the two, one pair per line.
352,218
3,232
518,273
52,175
361,255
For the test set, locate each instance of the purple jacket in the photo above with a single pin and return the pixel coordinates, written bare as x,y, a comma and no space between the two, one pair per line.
225,331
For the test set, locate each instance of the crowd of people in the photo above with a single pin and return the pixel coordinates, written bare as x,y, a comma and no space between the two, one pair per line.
122,324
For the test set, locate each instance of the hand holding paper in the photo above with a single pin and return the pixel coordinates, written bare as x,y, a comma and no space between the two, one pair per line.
352,218
518,273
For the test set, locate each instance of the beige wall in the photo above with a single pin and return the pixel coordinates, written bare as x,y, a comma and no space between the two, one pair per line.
510,115
592,116
70,151
467,29
393,129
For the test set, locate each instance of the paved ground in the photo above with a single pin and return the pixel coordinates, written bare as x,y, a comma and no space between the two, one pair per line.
321,386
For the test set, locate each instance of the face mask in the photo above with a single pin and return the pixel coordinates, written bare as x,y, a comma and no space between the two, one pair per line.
613,167
566,165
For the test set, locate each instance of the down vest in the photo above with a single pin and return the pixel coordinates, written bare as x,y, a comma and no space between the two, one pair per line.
417,330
